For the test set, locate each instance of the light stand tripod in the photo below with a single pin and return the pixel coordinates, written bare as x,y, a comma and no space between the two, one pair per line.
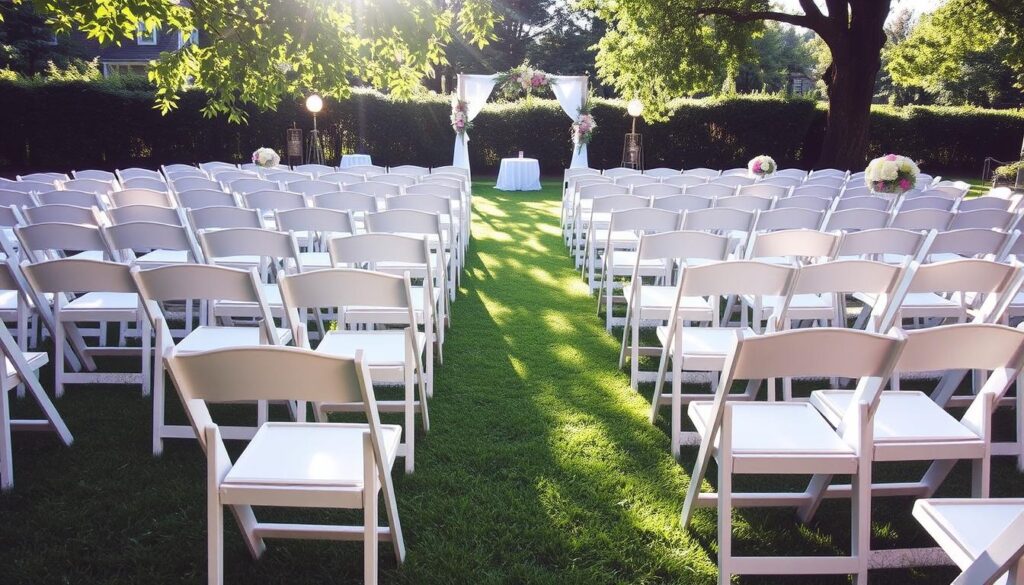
314,148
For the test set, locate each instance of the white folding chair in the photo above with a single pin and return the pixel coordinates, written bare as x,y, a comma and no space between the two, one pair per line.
138,196
321,225
984,537
393,356
304,465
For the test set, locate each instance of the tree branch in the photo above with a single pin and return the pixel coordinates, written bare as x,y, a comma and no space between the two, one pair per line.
740,16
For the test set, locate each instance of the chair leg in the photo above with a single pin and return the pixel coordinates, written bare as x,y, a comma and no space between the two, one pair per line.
860,512
147,363
659,382
634,355
158,401
815,493
59,366
625,331
410,421
6,452
724,518
370,512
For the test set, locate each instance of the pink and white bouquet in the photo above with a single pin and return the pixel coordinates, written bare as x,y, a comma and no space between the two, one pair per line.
524,78
265,157
891,173
761,166
460,118
583,127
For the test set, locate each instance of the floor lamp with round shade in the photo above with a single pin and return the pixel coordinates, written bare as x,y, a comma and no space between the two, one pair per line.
633,147
314,148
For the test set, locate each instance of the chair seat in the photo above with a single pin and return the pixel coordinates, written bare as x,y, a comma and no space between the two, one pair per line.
271,293
103,301
35,359
163,258
243,261
654,298
705,341
210,337
901,417
756,425
89,255
627,259
380,348
309,454
315,259
8,300
971,525
805,302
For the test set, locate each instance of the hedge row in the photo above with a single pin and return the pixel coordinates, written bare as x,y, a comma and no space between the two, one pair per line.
76,125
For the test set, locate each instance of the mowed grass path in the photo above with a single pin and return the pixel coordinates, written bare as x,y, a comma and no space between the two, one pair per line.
540,466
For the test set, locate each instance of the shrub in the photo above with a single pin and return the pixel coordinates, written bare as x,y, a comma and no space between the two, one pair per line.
61,125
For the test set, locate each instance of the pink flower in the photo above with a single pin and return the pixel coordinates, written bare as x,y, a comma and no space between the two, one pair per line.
890,157
757,167
880,186
904,184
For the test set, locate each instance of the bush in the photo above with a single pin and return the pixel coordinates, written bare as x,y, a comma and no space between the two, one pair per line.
63,125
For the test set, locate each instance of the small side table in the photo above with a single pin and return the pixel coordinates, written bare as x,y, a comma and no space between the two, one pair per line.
518,174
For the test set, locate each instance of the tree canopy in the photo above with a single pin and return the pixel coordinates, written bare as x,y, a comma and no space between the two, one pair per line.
257,51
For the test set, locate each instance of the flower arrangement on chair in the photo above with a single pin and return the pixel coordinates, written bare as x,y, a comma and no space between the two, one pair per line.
524,78
761,166
583,127
891,173
265,157
460,118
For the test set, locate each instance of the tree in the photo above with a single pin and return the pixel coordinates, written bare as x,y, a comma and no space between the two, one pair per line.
566,46
256,51
773,55
657,50
27,44
960,54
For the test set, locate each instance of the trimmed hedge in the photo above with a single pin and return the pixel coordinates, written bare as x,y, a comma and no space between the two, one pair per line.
75,125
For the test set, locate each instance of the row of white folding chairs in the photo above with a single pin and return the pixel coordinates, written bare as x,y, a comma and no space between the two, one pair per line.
709,174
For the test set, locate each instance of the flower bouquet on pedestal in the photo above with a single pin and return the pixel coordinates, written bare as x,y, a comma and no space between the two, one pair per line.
583,127
761,166
265,157
460,118
892,174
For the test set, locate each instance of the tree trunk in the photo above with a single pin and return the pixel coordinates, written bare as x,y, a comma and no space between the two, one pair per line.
856,59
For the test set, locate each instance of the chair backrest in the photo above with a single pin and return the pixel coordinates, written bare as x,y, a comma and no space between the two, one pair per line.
864,202
251,185
195,183
824,191
154,213
702,172
40,239
375,188
346,287
783,181
619,202
286,176
857,190
346,201
657,190
100,187
367,170
601,190
44,177
644,220
834,182
399,180
827,172
229,242
922,219
75,275
94,175
788,219
842,277
342,178
719,219
428,203
227,176
970,242
325,221
134,196
138,173
146,236
979,346
682,202
763,189
217,165
732,180
789,174
735,277
180,170
77,198
984,218
890,241
619,172
803,202
450,169
435,188
16,198
218,217
314,170
408,221
59,213
985,202
799,244
948,191
745,202
852,220
267,201
662,172
578,172
684,180
636,180
153,184
449,181
409,170
312,188
200,198
29,186
736,172
684,245
711,190
372,248
927,202
995,281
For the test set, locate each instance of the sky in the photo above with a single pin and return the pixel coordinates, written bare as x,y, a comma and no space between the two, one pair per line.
918,6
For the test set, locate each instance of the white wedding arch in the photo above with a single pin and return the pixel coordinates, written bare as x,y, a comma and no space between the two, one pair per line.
570,90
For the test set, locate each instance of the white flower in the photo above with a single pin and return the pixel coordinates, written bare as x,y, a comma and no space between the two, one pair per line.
889,170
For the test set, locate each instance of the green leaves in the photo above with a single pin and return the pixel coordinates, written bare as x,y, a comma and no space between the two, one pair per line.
257,51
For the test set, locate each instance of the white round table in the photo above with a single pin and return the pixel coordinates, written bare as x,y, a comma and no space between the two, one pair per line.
518,174
355,160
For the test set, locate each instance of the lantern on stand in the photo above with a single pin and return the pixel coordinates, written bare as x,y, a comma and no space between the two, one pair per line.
633,146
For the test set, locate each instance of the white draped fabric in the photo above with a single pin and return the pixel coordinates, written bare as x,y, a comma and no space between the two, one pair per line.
571,92
474,90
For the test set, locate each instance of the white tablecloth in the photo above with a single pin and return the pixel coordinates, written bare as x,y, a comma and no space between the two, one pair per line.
519,174
355,160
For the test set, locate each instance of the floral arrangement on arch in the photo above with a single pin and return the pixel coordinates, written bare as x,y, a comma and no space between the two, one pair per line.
583,127
265,157
460,117
891,173
523,78
761,166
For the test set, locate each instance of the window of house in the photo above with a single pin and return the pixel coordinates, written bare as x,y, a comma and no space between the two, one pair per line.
190,39
145,37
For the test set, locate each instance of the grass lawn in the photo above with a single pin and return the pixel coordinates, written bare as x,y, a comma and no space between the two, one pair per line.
540,467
